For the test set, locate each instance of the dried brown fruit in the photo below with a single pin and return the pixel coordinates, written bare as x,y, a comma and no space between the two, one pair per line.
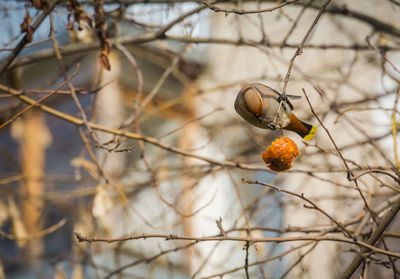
280,154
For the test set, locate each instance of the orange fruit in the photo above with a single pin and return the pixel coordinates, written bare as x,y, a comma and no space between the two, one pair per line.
280,154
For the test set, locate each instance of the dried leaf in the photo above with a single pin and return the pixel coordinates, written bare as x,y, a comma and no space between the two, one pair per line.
26,27
104,61
78,15
280,154
101,28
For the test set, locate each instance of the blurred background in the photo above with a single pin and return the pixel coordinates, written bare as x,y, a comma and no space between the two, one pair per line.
117,120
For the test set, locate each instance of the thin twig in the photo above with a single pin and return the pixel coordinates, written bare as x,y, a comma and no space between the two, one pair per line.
171,237
244,12
300,47
372,239
15,116
301,196
18,48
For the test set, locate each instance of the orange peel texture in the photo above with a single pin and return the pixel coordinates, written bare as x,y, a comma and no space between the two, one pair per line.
280,154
